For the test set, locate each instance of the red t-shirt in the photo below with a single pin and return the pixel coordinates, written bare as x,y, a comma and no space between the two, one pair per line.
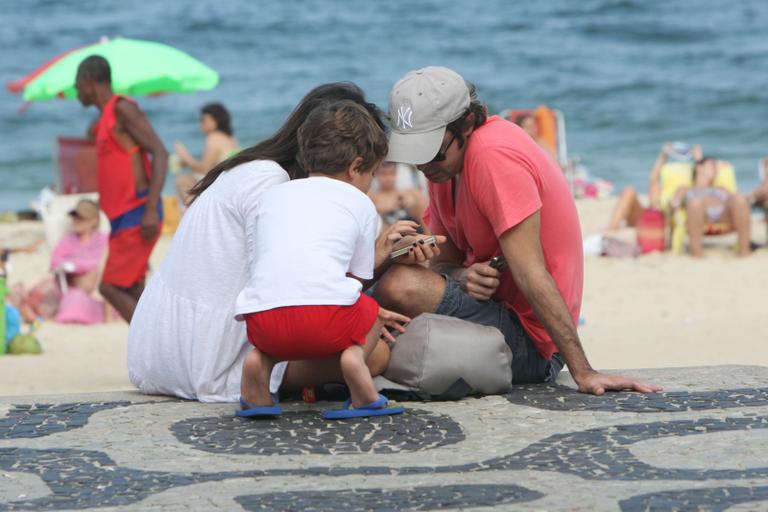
116,183
506,178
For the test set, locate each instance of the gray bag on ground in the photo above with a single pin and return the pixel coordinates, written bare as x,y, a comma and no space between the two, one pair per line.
445,358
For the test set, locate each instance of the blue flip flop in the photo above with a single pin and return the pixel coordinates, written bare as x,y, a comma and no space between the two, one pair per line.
379,407
246,411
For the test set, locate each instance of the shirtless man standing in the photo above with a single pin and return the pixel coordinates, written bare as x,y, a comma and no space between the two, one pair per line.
129,183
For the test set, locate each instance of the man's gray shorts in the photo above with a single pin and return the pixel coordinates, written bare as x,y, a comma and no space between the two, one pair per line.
527,364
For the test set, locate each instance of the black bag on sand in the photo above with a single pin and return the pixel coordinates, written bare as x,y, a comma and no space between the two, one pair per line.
445,358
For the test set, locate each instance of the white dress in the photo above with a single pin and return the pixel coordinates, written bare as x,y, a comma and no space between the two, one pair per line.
184,340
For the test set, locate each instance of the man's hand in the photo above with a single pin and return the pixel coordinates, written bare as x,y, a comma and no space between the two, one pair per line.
150,223
596,383
393,320
480,280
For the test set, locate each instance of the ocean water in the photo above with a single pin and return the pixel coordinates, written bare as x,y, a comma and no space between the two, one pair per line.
628,75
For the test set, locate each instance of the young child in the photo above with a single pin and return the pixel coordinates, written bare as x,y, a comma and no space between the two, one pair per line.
316,243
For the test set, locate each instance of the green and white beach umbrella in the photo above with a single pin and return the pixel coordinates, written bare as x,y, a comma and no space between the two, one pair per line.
139,68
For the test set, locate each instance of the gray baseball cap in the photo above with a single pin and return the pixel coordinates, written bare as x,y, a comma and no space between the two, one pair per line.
421,105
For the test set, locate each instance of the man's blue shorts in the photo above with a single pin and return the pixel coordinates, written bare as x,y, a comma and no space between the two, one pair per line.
527,364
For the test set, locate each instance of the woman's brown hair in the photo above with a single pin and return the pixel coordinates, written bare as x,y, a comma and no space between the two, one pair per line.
283,146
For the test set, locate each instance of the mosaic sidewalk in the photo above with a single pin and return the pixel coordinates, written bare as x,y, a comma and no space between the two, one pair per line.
700,445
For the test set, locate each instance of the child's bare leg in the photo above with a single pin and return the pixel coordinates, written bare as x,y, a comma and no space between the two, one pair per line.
356,373
358,377
88,282
254,384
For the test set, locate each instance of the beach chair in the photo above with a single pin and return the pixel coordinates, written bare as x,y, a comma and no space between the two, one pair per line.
680,174
56,220
551,128
76,161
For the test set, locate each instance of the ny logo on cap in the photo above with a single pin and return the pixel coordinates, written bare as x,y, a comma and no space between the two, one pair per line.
404,114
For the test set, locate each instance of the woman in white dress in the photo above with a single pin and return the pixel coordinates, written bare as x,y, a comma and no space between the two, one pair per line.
184,340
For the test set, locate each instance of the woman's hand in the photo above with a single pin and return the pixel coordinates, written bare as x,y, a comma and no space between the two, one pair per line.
420,252
697,153
184,156
393,320
391,236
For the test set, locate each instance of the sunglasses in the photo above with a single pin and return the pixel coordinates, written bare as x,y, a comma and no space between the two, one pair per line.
440,156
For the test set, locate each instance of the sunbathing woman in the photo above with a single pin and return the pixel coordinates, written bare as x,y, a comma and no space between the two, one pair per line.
628,208
707,204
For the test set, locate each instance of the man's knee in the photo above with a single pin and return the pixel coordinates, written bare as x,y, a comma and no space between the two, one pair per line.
394,285
403,287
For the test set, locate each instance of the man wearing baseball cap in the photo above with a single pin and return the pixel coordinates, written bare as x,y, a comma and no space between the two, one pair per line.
493,193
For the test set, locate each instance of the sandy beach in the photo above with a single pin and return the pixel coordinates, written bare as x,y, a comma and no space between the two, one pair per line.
654,311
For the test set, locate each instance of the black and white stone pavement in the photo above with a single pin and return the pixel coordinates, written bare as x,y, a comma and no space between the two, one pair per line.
700,445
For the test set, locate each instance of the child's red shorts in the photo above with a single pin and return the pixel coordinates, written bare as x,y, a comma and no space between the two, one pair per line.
308,332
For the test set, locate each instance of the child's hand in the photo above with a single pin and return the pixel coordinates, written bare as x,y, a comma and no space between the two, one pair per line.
393,320
388,238
420,252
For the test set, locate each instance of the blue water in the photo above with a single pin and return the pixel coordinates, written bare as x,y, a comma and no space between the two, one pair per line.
627,74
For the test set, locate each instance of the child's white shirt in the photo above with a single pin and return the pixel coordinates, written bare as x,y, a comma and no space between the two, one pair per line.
309,233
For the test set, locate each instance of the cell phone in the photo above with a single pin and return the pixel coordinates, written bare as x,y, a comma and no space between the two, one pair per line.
404,250
498,263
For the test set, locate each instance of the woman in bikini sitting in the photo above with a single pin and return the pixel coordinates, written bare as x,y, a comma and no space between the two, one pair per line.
220,144
707,204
